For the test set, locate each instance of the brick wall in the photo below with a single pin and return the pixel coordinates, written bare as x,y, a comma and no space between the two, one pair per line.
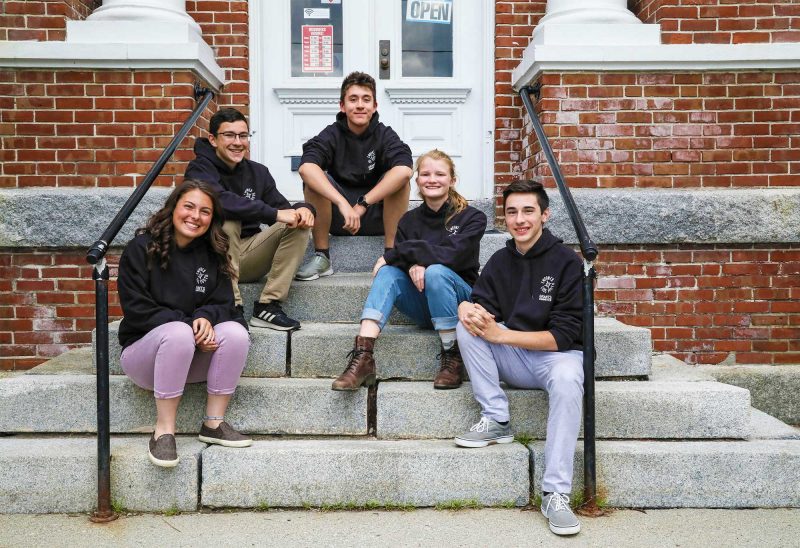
47,304
670,130
514,24
707,304
722,21
225,29
91,128
106,127
41,20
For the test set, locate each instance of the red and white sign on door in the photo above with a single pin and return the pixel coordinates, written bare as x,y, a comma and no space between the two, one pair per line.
317,48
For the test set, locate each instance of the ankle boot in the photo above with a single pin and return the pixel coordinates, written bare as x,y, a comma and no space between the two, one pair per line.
360,371
451,370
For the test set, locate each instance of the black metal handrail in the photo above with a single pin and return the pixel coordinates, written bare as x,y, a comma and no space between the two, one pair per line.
96,257
589,251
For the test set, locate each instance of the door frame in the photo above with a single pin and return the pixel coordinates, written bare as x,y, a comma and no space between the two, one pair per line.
259,88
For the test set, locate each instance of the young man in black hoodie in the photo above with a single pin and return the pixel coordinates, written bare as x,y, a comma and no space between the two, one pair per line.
359,165
524,327
249,198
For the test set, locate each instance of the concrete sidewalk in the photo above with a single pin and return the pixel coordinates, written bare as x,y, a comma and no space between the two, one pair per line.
489,527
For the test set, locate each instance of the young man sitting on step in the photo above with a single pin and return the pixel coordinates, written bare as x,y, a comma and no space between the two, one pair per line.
249,198
524,327
359,165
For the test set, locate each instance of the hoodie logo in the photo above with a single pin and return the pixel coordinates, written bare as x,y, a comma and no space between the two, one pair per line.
202,278
250,194
370,160
548,283
453,230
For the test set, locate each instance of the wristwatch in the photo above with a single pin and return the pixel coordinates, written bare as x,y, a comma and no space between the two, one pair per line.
362,201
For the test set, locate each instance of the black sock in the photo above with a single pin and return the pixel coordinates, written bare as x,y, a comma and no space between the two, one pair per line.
545,494
385,249
502,422
326,252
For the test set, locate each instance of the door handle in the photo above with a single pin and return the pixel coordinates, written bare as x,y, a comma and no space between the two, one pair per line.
384,55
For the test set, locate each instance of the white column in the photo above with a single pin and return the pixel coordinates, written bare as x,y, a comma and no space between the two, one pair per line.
588,11
588,22
144,11
144,34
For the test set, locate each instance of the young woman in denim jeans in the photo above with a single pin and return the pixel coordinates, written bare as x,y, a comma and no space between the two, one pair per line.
180,325
426,275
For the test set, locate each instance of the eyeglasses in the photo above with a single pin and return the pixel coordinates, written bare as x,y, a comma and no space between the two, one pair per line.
231,136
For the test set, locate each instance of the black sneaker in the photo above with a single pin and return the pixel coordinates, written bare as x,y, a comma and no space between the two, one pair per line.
272,316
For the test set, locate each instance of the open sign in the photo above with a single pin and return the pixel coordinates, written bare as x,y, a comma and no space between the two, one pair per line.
430,11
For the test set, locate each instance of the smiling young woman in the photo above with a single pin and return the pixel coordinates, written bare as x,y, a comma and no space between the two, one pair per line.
426,275
180,325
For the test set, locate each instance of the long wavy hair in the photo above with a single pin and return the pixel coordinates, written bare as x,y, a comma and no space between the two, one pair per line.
456,203
162,232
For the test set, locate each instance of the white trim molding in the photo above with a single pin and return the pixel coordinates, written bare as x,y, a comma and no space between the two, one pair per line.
539,58
427,95
308,95
159,38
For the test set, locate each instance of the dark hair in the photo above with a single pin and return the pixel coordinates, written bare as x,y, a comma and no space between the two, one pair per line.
225,115
357,79
160,229
528,186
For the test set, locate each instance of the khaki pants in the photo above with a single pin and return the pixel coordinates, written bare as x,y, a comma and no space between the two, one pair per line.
275,252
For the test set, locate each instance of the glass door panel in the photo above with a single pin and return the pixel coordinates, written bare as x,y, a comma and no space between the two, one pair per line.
427,38
317,38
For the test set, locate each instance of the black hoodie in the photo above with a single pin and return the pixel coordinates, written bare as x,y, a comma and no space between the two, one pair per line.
356,160
247,192
538,291
191,287
423,239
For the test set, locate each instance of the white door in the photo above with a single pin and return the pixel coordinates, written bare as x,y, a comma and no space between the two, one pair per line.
435,89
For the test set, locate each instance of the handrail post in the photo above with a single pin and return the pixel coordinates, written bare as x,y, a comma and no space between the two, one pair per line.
589,451
589,251
96,256
104,512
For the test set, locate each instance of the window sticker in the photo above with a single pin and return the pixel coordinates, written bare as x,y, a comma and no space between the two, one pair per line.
317,48
317,13
430,11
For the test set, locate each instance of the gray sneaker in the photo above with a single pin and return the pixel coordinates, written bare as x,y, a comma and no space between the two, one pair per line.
485,432
318,266
555,507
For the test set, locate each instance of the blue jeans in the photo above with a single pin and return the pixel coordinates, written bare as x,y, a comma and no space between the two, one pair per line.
436,307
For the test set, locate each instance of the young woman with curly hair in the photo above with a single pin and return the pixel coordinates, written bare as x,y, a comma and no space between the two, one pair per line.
180,325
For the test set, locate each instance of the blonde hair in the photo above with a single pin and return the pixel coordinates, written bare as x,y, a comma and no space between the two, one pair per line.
455,201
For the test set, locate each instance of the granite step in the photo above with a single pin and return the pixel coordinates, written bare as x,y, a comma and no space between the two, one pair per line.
358,254
64,403
623,410
403,351
59,474
291,473
406,352
689,474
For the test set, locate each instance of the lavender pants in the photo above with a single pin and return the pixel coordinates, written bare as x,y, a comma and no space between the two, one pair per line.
166,359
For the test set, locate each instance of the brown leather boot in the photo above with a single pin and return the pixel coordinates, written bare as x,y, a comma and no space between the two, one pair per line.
451,371
361,369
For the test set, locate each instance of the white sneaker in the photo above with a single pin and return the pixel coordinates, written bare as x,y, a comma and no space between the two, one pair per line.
318,266
485,432
562,521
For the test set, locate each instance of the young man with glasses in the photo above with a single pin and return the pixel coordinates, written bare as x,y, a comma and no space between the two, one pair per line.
361,167
249,199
